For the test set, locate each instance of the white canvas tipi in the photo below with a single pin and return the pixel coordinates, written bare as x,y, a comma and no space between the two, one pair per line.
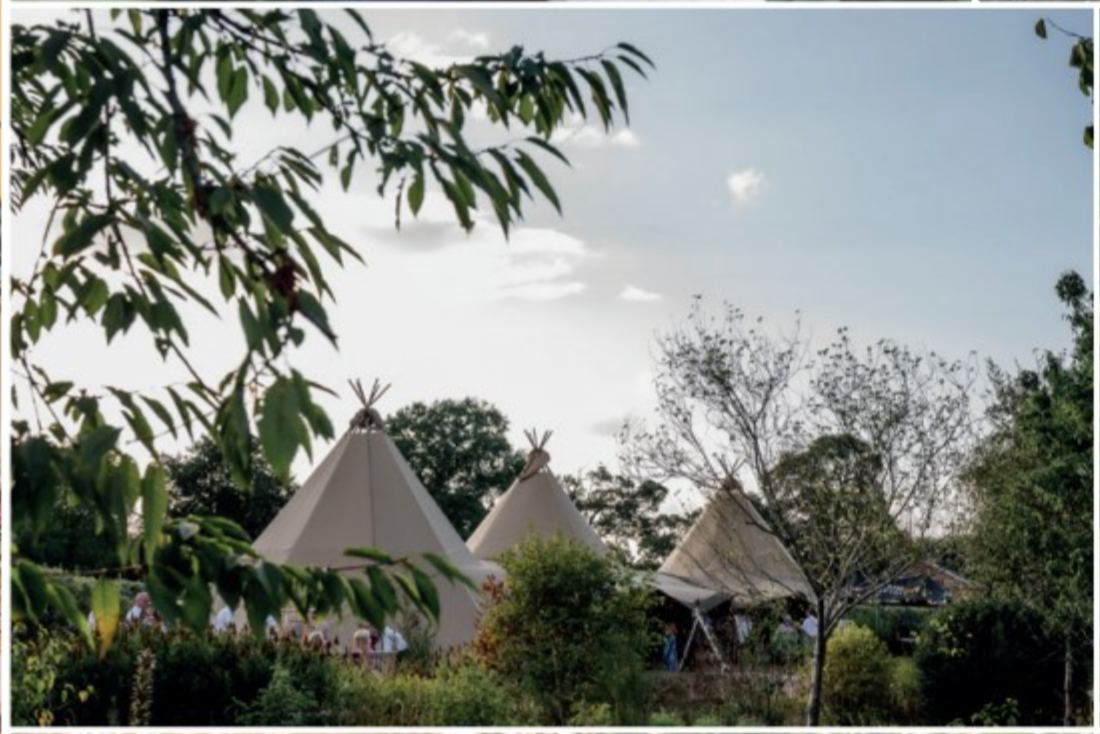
365,494
731,550
535,503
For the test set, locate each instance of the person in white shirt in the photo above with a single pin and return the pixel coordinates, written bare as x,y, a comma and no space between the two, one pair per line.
392,641
141,612
809,626
222,620
744,627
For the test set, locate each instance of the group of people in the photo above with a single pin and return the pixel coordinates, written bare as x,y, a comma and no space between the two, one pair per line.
367,643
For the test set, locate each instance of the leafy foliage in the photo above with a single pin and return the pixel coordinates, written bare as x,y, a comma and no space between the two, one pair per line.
199,483
629,515
569,627
868,442
124,126
830,499
70,540
460,451
857,676
245,682
1031,485
978,654
1081,58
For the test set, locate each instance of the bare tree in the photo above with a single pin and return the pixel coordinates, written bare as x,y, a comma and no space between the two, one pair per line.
846,457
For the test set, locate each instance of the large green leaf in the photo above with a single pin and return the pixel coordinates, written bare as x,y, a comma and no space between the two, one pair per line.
106,608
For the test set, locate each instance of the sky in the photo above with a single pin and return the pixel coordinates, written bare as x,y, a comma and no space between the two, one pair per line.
914,175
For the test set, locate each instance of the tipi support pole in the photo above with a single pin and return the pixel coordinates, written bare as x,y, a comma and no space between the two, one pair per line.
691,638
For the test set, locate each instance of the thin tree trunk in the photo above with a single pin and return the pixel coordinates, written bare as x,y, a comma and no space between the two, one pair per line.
813,706
1067,684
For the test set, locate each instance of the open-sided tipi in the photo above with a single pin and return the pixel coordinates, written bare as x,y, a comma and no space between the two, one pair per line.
536,503
729,549
365,494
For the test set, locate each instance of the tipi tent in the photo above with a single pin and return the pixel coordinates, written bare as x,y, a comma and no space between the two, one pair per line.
365,494
730,549
535,502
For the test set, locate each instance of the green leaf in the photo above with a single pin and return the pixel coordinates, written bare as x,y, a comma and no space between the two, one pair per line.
366,604
416,193
271,202
383,589
81,236
617,84
281,426
1041,28
538,178
428,593
154,507
371,554
448,570
106,608
64,602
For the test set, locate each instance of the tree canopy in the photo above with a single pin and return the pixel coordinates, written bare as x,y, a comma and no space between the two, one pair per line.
630,516
460,451
123,126
1031,484
200,483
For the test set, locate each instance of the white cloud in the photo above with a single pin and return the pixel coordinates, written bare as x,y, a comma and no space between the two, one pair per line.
746,186
576,133
638,295
536,264
626,138
410,45
469,39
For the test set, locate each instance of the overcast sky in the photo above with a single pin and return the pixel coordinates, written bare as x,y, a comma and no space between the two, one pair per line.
913,175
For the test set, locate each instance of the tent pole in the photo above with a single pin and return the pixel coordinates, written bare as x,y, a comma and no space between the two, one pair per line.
691,637
701,621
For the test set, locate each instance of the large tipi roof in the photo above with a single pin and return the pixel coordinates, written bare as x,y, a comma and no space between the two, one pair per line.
731,550
536,503
365,494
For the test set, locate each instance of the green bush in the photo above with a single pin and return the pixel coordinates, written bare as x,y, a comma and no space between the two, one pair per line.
570,626
898,627
460,694
855,687
280,703
905,691
38,698
218,671
977,655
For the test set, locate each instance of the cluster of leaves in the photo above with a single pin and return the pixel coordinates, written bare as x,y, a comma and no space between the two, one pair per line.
570,627
830,500
1081,58
123,123
629,515
977,654
200,483
460,450
1031,484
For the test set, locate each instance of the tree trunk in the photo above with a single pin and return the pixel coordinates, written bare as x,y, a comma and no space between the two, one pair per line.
1067,684
813,706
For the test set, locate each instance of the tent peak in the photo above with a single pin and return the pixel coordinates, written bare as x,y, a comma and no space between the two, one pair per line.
538,457
368,417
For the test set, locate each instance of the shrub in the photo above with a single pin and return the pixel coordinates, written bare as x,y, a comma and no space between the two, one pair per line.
280,703
905,691
977,655
898,627
855,686
37,696
570,626
461,694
